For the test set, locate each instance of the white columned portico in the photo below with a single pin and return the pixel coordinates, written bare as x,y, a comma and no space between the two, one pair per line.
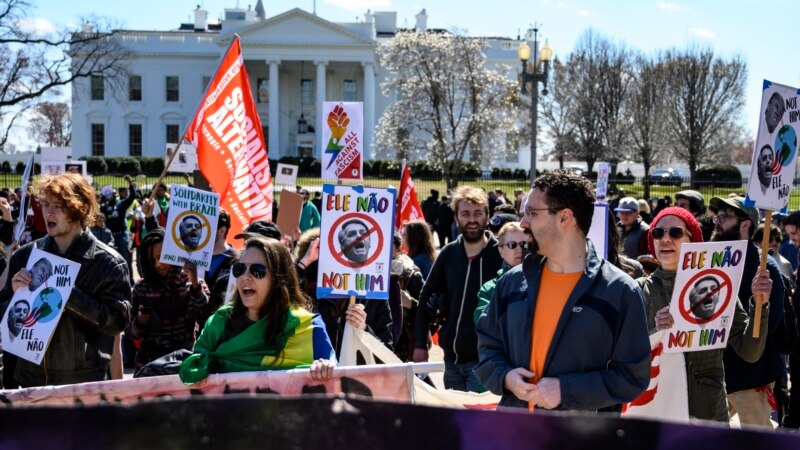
369,107
321,85
274,111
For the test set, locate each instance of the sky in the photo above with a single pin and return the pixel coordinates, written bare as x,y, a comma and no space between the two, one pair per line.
762,32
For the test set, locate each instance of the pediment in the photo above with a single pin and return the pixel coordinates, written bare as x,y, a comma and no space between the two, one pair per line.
298,27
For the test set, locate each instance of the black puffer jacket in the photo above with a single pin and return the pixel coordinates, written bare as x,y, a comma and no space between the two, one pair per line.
97,309
458,279
379,320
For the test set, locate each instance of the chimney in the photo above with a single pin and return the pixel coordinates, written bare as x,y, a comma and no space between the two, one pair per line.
200,19
422,21
87,28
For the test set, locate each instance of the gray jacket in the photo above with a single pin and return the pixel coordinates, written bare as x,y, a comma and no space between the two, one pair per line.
600,351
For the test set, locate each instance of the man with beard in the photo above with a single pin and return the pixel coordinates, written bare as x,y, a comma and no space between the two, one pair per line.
565,329
748,384
456,276
19,310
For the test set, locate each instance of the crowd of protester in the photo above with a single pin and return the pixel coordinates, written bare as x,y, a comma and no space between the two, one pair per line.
491,277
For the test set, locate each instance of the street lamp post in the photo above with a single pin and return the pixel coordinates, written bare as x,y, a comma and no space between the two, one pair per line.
536,77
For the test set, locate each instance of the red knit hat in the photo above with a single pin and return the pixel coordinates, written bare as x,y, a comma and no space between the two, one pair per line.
687,218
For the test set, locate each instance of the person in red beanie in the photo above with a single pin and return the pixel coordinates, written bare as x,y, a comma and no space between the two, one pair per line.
704,369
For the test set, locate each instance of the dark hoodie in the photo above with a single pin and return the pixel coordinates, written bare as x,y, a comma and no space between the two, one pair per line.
458,279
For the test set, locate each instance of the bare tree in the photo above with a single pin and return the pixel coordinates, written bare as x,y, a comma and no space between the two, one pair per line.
51,124
447,99
703,102
600,76
648,127
556,116
34,64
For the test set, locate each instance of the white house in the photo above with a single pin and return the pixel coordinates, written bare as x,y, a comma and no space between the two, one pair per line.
295,61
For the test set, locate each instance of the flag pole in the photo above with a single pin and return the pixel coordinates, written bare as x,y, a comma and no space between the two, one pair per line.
759,299
166,168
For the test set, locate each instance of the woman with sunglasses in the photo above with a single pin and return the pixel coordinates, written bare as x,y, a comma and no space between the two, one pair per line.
267,326
705,375
513,246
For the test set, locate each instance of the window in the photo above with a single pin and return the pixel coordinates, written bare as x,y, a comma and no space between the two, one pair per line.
307,92
173,89
98,90
135,139
135,88
172,134
350,90
98,139
206,81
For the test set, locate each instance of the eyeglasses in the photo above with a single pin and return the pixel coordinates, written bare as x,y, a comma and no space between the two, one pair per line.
258,271
722,217
529,211
512,245
674,232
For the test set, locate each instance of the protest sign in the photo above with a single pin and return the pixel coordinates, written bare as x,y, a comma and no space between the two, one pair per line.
342,138
33,312
289,213
52,167
603,172
61,154
286,174
775,151
191,227
598,231
78,167
186,159
703,301
355,242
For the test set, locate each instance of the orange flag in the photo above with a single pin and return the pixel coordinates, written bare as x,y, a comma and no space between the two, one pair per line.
408,208
231,150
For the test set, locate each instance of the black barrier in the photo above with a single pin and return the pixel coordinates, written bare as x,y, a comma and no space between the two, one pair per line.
314,422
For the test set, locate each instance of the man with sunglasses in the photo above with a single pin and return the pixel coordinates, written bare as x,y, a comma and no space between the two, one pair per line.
565,329
748,384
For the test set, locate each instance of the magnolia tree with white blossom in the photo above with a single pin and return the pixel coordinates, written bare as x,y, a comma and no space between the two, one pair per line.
448,102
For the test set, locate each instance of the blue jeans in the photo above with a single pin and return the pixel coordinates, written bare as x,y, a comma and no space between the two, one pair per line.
461,377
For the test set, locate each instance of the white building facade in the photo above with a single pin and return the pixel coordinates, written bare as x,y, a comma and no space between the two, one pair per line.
295,60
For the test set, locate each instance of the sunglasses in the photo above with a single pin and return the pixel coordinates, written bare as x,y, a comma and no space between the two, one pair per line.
258,271
674,232
513,245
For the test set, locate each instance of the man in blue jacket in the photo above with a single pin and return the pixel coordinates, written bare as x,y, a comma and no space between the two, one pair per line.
456,277
566,329
747,383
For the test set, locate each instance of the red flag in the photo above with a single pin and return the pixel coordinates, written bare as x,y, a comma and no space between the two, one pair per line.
230,145
409,208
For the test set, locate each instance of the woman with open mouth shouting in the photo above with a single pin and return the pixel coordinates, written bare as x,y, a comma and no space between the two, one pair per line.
267,326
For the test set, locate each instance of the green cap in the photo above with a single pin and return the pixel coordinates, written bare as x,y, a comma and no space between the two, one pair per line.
737,203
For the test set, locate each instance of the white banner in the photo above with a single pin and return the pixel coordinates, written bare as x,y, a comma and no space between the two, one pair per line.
603,172
191,227
33,312
286,174
186,159
342,141
667,397
704,298
775,151
598,231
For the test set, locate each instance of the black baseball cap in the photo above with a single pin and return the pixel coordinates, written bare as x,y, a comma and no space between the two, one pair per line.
497,222
260,228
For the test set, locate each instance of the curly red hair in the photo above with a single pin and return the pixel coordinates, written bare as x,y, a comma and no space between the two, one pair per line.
77,195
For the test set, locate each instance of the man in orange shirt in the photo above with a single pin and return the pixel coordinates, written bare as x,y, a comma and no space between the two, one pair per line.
566,329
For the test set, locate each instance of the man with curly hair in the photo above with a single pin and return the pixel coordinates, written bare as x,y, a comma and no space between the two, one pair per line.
99,305
565,329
